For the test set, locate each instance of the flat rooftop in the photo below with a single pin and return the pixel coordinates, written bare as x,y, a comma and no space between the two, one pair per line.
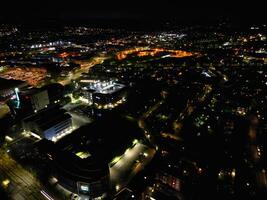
48,117
105,138
104,87
85,154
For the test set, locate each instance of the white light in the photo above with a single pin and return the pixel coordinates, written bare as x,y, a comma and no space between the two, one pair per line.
84,188
46,195
8,138
35,135
117,187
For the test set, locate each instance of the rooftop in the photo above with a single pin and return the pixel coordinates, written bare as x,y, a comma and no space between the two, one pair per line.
48,117
86,153
106,138
104,87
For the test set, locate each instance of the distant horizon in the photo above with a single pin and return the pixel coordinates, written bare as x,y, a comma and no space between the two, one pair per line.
141,11
122,23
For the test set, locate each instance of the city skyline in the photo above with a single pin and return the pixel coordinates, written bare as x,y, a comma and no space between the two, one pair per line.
138,101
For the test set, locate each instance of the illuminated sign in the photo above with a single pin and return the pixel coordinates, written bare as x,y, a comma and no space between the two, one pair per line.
85,188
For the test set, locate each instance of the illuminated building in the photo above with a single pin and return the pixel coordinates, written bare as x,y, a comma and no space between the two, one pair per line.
9,89
103,94
81,161
77,171
52,123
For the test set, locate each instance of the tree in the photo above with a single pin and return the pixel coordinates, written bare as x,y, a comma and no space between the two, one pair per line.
76,94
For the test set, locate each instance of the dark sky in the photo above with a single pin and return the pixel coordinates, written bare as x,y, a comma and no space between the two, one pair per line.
186,10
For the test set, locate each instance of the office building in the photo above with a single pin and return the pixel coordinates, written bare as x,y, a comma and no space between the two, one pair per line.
104,94
52,123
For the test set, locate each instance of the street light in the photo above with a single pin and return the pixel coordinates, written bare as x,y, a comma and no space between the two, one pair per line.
117,187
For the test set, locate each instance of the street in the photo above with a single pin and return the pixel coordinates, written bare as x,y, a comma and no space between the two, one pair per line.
85,66
129,165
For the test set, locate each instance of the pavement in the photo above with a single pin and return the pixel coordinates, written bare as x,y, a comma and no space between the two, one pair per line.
129,165
79,120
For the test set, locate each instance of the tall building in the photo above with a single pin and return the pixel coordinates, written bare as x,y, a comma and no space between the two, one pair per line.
55,92
34,99
39,100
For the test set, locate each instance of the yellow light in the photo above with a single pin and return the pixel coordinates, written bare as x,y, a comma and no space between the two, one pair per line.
5,183
127,151
117,187
233,173
135,141
220,175
115,160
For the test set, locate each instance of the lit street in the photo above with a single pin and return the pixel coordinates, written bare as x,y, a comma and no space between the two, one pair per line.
85,66
129,165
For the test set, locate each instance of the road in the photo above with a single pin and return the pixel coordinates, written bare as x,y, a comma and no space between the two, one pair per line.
152,109
85,66
23,185
141,121
128,166
190,107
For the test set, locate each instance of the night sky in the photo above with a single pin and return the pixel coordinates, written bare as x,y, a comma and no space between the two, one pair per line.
26,11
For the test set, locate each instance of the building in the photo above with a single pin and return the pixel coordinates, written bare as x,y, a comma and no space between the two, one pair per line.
77,170
52,123
9,89
170,175
159,191
81,161
34,99
103,93
39,100
55,92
